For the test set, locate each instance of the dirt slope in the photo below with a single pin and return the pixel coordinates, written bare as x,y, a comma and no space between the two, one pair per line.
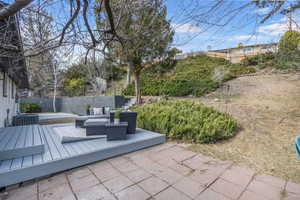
267,108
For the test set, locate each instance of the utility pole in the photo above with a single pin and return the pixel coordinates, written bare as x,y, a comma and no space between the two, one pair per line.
290,18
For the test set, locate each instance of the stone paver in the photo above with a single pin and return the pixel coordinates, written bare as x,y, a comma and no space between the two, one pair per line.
23,193
189,187
117,184
265,190
127,167
238,175
180,168
153,185
84,182
133,193
52,182
227,188
61,192
94,193
197,161
78,173
248,195
271,180
205,179
161,172
106,173
293,187
171,193
211,195
138,175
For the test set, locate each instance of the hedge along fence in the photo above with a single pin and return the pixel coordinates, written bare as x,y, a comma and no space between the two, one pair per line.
185,120
30,107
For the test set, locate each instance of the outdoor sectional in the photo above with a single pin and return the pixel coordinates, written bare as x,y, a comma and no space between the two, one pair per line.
79,121
126,116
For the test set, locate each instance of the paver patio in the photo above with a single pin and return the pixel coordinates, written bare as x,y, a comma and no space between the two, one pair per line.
165,171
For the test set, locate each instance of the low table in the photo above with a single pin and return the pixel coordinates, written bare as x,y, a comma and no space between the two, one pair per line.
116,131
95,126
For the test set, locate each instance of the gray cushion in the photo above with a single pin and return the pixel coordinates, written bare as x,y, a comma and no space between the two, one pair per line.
95,122
98,116
82,118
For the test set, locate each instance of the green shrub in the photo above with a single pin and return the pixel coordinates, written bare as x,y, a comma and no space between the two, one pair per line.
237,69
289,42
30,107
173,87
184,120
258,59
191,76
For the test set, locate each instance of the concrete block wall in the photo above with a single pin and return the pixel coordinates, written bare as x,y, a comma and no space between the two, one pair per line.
77,105
9,101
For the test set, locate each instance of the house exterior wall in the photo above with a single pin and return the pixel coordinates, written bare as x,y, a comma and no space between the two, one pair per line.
235,55
8,101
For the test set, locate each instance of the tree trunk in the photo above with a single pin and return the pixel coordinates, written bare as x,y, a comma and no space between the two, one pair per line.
129,69
55,88
137,82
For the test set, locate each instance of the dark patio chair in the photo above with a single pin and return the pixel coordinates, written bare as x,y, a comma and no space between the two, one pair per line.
129,117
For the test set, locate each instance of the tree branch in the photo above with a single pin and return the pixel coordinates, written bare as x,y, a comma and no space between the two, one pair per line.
13,8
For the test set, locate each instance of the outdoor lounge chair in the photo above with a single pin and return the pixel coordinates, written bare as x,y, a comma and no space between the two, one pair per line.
297,143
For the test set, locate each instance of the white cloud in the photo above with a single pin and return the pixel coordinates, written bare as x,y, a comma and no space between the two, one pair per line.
240,37
186,28
273,29
246,37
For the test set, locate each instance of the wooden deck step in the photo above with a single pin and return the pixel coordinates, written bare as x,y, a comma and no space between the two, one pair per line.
16,145
59,157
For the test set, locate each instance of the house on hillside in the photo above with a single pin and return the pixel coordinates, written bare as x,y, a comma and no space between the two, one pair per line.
235,55
13,74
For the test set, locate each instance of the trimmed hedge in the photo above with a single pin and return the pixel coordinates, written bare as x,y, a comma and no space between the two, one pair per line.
30,107
185,120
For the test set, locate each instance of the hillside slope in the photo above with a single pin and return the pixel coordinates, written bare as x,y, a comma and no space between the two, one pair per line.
196,76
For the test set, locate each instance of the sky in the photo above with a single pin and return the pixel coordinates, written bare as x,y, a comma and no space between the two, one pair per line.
190,35
208,31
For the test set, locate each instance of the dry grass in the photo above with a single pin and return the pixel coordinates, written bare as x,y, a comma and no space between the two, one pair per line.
58,121
268,110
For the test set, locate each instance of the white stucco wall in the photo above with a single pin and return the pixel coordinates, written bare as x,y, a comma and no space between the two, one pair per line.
7,102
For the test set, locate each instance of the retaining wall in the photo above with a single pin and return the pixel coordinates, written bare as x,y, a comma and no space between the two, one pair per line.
77,105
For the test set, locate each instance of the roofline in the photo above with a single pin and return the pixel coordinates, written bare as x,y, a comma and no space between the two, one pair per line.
247,46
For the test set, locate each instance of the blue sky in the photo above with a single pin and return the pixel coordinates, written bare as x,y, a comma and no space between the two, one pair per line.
194,36
245,27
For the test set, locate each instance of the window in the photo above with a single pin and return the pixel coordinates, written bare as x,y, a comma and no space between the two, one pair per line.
267,47
247,49
4,84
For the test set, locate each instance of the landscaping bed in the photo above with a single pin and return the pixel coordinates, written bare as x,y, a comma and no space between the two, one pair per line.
186,121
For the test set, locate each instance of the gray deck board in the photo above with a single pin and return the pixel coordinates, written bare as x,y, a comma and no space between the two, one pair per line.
58,157
20,141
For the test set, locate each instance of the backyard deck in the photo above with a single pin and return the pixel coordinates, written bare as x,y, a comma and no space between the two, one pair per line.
59,157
